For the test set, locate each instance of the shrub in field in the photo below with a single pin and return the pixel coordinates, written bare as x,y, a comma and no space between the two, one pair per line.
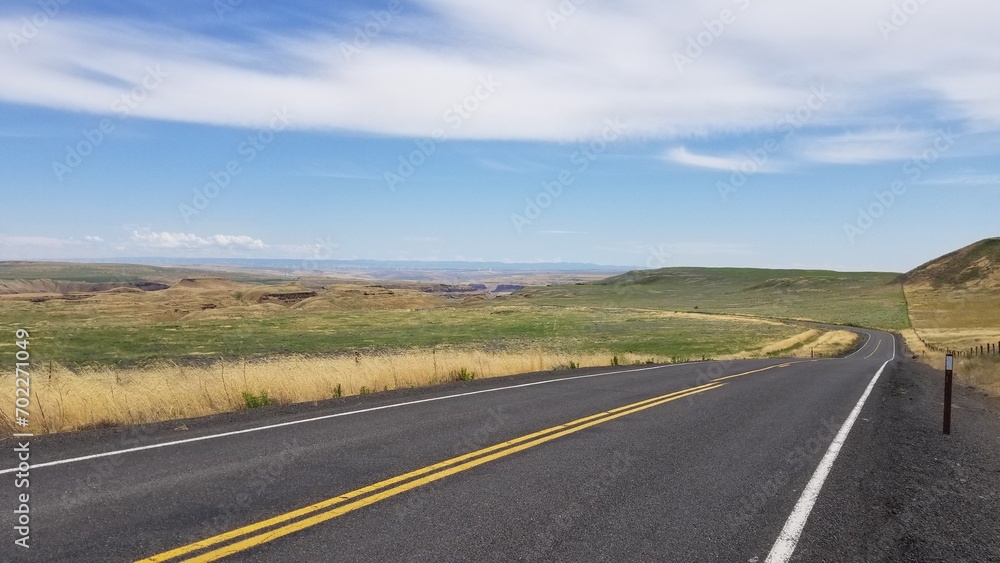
254,401
463,374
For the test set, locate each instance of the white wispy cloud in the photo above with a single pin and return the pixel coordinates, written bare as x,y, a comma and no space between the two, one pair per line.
967,180
866,146
607,60
682,155
168,240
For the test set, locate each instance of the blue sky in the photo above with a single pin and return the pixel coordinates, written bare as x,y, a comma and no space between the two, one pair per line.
852,135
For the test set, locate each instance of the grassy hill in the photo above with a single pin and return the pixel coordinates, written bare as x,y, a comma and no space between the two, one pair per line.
202,319
975,266
954,300
236,316
870,299
954,303
123,274
125,355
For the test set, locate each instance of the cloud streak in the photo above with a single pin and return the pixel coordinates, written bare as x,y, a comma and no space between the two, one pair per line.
558,84
681,155
188,241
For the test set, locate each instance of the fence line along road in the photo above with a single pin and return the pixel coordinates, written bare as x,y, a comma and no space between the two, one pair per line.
980,350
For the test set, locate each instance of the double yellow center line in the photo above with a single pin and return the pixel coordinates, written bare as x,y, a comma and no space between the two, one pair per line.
282,525
877,344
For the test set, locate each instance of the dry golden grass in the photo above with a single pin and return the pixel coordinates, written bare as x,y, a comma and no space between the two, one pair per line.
982,373
811,343
833,343
96,397
707,316
960,339
188,299
956,319
792,343
343,297
66,400
916,344
956,309
206,283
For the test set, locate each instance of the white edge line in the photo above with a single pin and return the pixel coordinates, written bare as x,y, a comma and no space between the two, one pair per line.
329,416
784,546
858,351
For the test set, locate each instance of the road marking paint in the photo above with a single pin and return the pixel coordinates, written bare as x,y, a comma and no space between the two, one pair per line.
337,415
393,481
877,344
755,371
784,546
426,475
859,350
329,416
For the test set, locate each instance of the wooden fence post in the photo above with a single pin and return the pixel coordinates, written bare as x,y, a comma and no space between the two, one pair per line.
949,363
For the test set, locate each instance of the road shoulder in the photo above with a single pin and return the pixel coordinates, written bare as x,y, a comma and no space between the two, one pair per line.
905,491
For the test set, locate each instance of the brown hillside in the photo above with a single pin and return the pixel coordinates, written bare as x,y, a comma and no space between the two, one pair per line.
49,286
975,266
367,298
206,283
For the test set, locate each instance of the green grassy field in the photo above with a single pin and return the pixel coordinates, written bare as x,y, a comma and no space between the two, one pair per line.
126,356
623,314
102,273
74,335
862,299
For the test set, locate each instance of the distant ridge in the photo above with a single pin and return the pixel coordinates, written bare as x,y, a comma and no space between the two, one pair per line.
206,283
976,265
333,265
750,278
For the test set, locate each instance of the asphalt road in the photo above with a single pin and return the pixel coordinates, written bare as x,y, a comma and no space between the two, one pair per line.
689,462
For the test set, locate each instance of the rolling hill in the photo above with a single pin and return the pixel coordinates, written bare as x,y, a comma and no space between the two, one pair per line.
975,266
873,299
954,300
954,304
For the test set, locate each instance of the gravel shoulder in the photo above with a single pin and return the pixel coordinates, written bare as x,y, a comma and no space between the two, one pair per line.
921,495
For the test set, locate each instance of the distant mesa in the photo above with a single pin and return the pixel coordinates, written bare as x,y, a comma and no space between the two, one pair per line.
206,283
286,297
281,295
64,287
975,266
453,288
150,286
508,288
119,290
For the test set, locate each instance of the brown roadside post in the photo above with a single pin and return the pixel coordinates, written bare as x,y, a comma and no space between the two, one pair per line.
949,366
